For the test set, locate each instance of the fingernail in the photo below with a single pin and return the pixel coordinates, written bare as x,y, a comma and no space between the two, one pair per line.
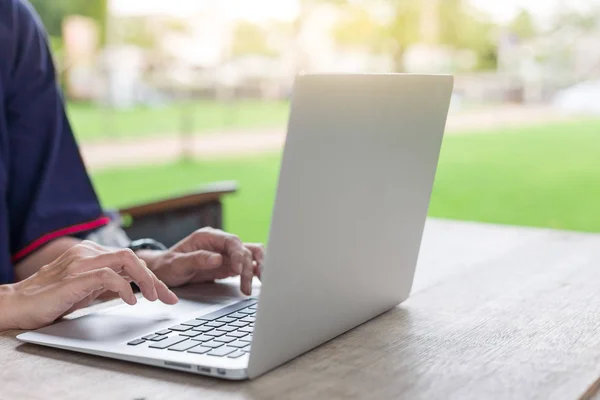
239,268
154,294
132,300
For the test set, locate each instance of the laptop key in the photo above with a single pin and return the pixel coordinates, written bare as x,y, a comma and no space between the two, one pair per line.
163,332
248,319
237,315
226,320
193,322
203,328
247,311
238,324
180,328
237,334
246,329
225,339
227,310
221,352
215,333
163,344
150,337
136,342
199,350
203,338
190,334
183,346
237,354
246,339
227,328
215,324
212,344
238,344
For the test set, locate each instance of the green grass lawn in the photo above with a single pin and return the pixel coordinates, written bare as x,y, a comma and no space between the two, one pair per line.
547,176
92,123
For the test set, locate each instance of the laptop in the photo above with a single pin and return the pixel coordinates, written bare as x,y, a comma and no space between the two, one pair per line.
354,188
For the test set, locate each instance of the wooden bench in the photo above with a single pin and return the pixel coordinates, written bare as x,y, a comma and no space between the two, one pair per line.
170,220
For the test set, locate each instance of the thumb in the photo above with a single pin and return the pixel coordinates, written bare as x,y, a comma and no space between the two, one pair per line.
190,263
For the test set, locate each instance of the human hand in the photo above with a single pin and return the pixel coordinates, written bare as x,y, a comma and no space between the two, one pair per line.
74,280
209,254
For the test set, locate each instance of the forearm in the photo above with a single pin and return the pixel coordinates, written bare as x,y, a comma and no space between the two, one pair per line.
45,255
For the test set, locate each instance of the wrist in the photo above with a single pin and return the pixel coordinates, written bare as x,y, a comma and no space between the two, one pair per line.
8,309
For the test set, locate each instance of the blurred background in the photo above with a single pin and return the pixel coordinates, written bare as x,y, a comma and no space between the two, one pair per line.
165,96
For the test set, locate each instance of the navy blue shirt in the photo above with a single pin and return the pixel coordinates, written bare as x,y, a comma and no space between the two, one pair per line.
45,191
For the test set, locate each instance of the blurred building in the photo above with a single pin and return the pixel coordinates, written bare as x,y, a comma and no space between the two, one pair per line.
196,59
550,62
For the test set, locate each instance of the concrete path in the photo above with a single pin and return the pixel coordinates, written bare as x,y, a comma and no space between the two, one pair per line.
241,143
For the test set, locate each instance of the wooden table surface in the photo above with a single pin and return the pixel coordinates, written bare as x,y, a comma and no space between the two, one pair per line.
496,313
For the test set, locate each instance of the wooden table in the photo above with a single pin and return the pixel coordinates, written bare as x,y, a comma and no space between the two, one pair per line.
496,312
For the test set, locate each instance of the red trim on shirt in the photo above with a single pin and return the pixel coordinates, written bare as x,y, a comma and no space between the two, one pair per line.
86,226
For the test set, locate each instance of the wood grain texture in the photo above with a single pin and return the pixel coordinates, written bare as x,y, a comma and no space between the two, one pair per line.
496,313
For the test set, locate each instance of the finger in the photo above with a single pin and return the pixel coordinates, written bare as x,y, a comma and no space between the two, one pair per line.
82,285
258,253
164,293
247,273
257,270
188,264
123,260
137,269
125,276
225,243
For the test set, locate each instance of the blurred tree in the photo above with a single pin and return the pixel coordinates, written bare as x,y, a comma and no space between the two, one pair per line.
138,31
250,39
463,27
447,22
307,8
404,29
148,34
523,25
51,15
359,28
53,12
587,21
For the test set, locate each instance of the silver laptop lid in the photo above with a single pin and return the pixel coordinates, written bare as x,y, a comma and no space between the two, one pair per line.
354,189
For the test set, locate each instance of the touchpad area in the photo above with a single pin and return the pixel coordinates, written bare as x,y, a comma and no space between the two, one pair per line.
115,322
122,322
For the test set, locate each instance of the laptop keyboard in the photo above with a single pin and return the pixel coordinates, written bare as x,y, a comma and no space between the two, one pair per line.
224,333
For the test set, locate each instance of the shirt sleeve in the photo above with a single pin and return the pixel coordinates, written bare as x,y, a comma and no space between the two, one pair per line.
49,192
